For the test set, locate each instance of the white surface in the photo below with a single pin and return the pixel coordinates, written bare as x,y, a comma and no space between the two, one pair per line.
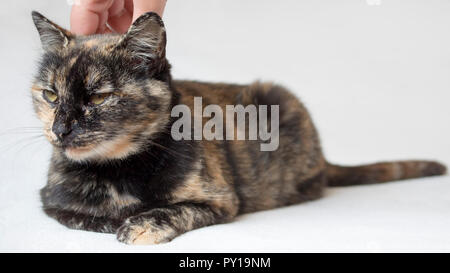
376,79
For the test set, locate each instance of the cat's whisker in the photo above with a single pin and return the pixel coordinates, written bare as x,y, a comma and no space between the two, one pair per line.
168,149
32,142
21,130
20,144
28,140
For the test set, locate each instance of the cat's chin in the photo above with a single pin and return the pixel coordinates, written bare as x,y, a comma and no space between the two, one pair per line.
118,148
80,153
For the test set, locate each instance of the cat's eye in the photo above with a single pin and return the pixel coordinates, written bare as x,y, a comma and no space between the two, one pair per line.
98,99
50,96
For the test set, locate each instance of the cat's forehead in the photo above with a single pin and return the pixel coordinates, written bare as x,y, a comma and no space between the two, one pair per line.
86,60
94,43
84,51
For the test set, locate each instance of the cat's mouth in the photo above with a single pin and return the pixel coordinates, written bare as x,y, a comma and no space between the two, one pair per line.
119,147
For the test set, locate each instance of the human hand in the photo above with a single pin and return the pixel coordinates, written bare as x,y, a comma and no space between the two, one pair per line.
103,16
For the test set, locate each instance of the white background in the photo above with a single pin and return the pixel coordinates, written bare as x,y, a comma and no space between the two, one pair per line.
375,77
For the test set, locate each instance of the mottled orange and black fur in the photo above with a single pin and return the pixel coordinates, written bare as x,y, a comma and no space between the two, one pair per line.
105,102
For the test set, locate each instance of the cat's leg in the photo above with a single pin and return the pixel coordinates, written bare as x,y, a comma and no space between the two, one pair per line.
163,224
84,222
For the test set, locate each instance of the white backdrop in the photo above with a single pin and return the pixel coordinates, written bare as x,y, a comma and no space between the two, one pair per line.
375,77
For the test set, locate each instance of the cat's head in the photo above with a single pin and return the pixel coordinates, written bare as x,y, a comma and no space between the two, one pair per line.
101,97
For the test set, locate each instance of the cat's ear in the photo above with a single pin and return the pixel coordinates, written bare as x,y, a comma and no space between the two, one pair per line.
146,38
53,37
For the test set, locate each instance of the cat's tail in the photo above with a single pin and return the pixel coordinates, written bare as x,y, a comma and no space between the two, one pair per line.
382,172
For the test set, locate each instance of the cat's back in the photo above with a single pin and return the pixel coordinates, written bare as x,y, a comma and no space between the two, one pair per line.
256,93
267,179
211,93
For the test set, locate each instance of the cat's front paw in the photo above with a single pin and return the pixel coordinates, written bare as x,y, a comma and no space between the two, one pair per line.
140,230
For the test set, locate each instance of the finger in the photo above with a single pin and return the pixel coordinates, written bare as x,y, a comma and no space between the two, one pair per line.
86,16
129,6
102,22
119,19
142,6
83,22
116,8
96,5
120,22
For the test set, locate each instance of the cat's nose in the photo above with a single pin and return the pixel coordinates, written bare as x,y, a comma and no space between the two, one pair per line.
61,130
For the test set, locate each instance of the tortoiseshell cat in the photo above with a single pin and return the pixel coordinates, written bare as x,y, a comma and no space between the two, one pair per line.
105,102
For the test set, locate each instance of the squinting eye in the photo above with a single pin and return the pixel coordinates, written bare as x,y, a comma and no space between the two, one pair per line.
50,96
99,98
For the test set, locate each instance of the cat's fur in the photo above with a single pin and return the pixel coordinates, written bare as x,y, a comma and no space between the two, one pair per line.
115,167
